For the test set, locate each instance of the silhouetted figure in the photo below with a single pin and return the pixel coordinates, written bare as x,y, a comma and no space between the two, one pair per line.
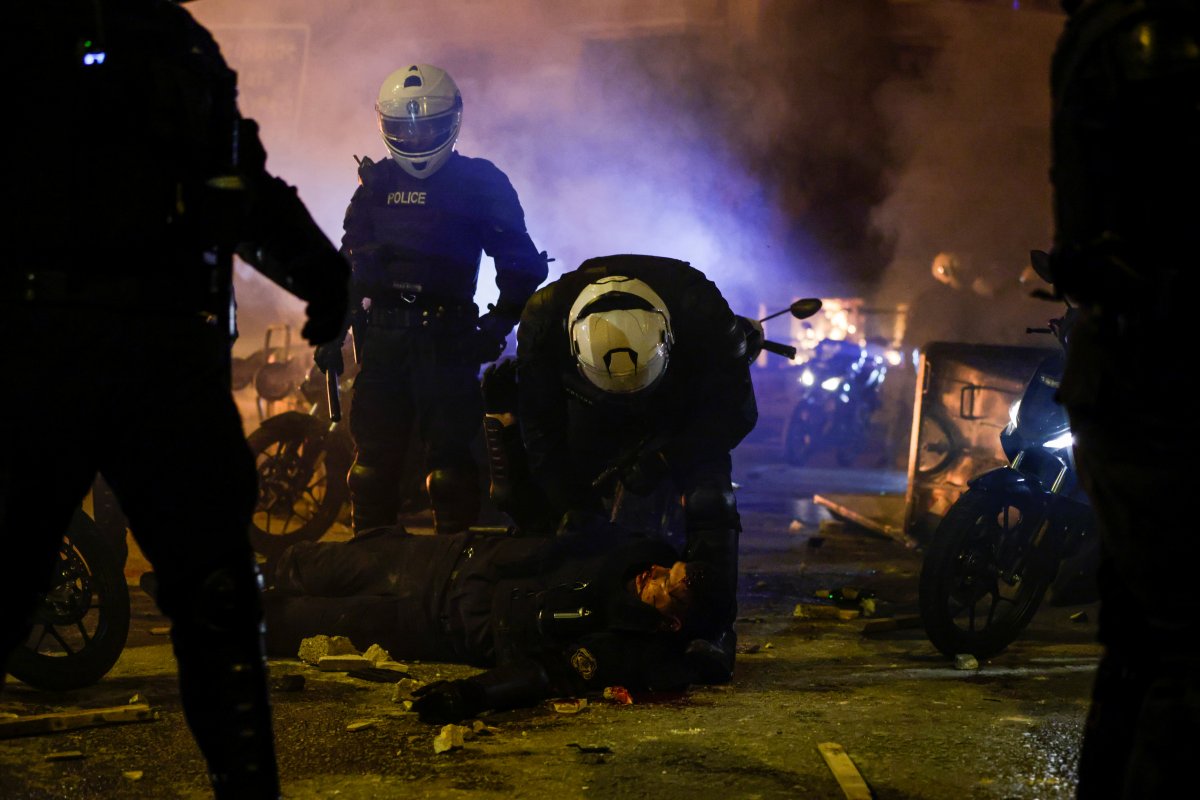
138,178
1126,173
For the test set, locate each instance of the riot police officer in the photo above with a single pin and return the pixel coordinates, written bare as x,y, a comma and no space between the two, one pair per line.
1126,172
115,297
634,366
415,232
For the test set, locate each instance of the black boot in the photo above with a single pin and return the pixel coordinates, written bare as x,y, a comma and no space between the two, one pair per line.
711,654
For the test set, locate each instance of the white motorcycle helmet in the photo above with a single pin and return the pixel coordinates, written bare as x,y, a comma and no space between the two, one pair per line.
620,332
420,112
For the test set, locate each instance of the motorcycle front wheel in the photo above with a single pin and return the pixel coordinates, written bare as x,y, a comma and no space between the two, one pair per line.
981,580
302,471
81,624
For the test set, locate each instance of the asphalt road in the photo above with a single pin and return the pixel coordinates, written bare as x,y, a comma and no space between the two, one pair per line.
913,726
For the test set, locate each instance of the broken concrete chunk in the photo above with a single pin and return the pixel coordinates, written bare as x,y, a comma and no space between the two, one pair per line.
405,688
867,606
965,661
313,649
65,755
134,774
341,663
570,706
818,611
450,738
360,725
376,654
394,666
481,728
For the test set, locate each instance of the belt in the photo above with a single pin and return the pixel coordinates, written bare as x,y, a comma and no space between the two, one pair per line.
423,316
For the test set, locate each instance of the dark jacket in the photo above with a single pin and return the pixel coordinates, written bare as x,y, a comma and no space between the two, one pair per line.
407,236
703,405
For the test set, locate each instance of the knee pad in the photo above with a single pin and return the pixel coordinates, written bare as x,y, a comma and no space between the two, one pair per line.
711,506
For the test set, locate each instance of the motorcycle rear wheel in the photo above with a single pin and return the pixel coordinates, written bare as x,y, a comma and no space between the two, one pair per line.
301,482
981,582
81,625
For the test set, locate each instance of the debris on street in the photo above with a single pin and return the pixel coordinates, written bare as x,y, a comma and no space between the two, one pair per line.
843,769
573,706
360,725
38,724
403,691
65,755
966,661
344,663
133,774
314,648
618,694
820,611
450,738
376,654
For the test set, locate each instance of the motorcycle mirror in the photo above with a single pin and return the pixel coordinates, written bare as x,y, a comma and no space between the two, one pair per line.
801,309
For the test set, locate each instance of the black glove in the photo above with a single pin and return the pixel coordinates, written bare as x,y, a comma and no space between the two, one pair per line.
499,387
329,357
443,702
494,327
327,316
645,473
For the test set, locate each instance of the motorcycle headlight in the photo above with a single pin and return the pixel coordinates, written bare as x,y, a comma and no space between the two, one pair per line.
831,384
807,378
1059,442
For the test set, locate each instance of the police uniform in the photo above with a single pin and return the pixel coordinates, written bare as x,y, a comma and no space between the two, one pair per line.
703,406
1126,172
115,299
415,246
553,616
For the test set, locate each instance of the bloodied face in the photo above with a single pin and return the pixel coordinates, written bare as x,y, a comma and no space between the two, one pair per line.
665,588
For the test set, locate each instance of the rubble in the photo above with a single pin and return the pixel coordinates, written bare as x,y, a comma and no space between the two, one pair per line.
360,725
570,706
819,611
966,661
65,755
343,663
404,689
316,647
618,694
69,720
133,774
450,738
377,654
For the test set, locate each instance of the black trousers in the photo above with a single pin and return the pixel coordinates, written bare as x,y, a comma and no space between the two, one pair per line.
418,389
1136,443
144,401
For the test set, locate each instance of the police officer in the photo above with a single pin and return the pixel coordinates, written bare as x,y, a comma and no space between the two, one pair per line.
415,232
634,366
567,615
1126,174
115,297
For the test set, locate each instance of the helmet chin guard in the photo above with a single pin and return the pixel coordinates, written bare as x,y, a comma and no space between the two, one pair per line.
620,332
420,113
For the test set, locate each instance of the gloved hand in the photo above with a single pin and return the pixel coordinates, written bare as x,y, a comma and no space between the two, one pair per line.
327,313
645,473
499,387
329,357
443,702
494,327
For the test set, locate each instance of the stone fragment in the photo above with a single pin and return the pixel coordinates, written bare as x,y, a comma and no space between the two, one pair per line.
65,755
966,661
314,648
134,774
573,706
376,654
341,663
450,738
818,611
360,725
481,728
404,689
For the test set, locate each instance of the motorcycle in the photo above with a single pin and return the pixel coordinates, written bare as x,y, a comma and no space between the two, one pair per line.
841,392
1015,532
81,624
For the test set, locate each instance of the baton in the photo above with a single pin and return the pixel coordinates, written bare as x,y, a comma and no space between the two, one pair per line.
334,394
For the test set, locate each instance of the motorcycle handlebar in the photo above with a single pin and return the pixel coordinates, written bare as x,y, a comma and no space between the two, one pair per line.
785,350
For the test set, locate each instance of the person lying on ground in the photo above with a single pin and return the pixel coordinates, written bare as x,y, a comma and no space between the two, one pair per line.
548,616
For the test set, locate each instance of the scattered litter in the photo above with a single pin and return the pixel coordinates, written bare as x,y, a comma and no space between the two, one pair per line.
867,606
818,611
394,666
314,648
618,694
966,661
344,663
1079,616
570,706
481,728
768,646
450,738
590,748
796,526
360,725
65,755
748,649
134,699
134,774
70,720
843,769
288,683
163,630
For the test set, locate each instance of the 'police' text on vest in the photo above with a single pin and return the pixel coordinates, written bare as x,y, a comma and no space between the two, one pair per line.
406,198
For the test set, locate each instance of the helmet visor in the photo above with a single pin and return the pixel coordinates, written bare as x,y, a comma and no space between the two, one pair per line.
416,135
